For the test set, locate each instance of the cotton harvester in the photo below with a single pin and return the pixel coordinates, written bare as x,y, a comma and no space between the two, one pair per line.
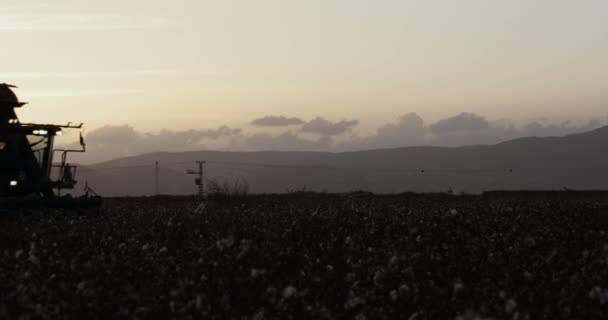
28,176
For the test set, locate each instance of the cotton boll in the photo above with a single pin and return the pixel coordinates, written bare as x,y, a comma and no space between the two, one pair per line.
225,243
289,292
394,295
458,287
353,302
510,306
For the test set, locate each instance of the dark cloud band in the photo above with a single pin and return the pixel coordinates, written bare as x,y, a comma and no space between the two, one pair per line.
276,121
409,130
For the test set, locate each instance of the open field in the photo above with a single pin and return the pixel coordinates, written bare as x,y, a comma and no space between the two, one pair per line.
304,255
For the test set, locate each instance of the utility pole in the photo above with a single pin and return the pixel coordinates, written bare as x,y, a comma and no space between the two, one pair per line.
199,181
157,181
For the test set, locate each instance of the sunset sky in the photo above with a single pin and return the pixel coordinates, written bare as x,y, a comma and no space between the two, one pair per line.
202,64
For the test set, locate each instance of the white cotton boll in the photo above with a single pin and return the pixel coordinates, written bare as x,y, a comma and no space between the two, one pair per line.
225,243
39,310
163,250
289,292
594,291
404,288
259,315
453,212
510,306
458,287
33,258
597,293
502,294
353,302
257,272
378,276
18,253
201,208
360,316
394,295
604,297
145,247
199,302
245,247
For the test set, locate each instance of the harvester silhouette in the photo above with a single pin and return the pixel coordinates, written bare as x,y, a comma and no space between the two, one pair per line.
26,161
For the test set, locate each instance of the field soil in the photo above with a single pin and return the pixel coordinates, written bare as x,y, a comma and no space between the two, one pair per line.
306,255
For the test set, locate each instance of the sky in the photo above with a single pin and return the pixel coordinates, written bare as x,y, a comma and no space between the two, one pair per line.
343,70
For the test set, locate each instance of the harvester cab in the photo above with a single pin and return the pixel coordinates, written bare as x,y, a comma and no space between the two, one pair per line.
27,170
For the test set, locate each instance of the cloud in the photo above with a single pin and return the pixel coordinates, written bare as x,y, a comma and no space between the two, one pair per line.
111,135
276,121
464,122
111,142
192,137
409,130
328,128
77,22
287,141
470,129
459,130
538,129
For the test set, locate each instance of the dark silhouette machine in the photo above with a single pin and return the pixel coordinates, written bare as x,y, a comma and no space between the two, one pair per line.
27,172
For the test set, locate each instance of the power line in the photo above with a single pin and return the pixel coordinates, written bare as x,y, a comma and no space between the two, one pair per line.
157,172
199,181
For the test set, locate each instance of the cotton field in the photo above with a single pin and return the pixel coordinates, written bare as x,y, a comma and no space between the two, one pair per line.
306,255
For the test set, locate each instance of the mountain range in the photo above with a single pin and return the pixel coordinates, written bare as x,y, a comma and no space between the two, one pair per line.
575,162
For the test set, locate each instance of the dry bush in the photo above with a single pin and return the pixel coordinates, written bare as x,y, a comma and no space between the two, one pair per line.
227,188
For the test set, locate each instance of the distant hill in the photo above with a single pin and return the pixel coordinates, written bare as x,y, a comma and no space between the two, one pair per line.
578,161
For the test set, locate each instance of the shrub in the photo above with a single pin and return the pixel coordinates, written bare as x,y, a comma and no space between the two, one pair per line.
238,187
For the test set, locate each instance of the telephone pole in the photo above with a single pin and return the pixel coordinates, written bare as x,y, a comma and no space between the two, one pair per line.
157,181
199,181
